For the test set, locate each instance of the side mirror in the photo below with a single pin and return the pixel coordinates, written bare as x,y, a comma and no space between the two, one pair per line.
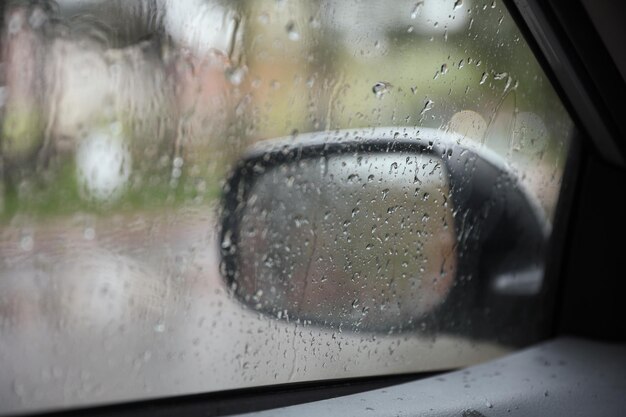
383,230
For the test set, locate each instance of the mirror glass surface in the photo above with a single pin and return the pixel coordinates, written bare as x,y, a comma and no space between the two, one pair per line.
363,241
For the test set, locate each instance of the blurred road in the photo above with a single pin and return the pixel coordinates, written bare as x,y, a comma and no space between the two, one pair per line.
97,310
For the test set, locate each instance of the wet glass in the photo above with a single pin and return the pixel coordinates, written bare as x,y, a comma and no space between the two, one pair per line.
363,252
120,121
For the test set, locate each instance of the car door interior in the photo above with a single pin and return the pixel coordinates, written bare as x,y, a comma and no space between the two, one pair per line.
562,377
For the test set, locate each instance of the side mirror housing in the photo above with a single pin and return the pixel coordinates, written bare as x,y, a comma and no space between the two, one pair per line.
385,230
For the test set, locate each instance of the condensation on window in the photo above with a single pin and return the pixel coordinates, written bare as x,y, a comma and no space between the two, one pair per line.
120,123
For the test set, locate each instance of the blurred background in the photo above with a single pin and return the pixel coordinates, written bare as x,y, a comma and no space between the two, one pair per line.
147,103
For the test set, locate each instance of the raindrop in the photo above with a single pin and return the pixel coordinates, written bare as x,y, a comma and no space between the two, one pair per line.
472,413
500,76
89,233
417,9
354,178
236,75
381,88
292,32
457,4
227,242
483,78
38,18
427,106
27,242
103,163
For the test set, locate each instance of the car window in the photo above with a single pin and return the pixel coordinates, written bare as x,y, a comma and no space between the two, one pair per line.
122,122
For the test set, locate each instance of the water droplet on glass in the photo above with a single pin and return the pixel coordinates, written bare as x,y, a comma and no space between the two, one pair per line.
381,88
236,75
427,106
292,32
103,163
37,18
226,241
500,76
417,9
89,233
27,243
